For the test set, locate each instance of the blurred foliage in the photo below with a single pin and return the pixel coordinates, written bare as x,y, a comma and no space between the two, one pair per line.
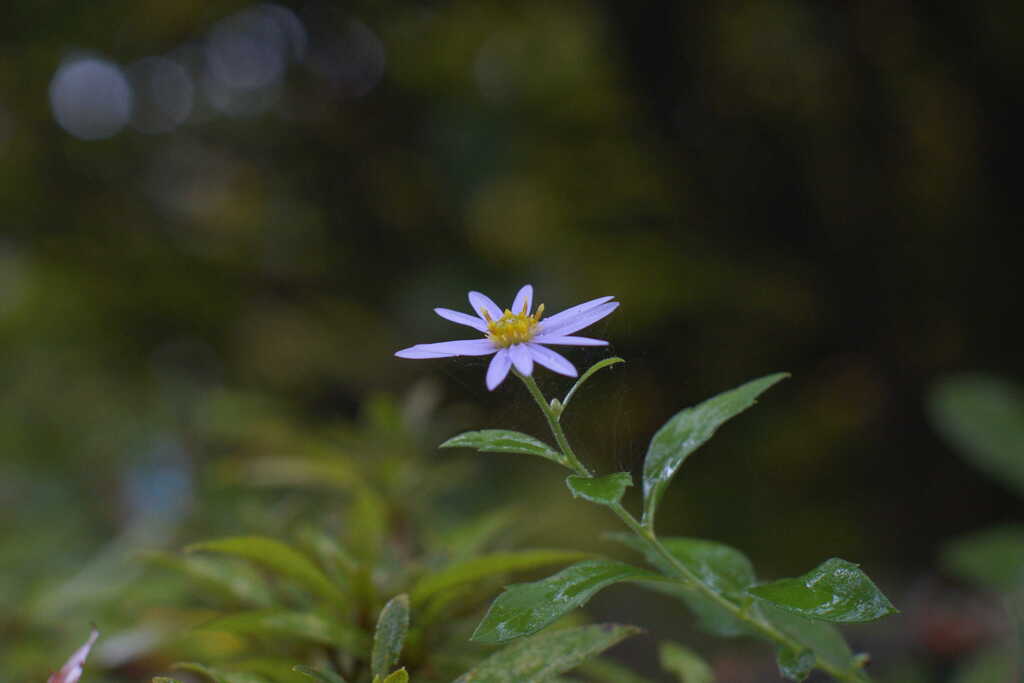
828,188
983,417
362,516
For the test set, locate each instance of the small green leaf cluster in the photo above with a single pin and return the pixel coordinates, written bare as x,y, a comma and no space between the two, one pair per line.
716,582
389,595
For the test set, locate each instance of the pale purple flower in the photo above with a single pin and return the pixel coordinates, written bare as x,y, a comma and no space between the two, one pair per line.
72,669
515,336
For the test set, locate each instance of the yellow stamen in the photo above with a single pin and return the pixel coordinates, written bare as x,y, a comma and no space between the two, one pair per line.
512,328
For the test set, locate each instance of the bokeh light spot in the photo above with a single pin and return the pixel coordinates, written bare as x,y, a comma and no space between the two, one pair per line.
164,94
250,49
91,98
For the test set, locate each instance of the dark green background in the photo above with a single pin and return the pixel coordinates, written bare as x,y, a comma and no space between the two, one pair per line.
820,187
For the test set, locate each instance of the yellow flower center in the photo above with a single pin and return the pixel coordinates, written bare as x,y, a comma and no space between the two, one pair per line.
512,328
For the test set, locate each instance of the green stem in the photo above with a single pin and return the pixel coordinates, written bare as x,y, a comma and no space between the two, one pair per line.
553,423
686,576
693,581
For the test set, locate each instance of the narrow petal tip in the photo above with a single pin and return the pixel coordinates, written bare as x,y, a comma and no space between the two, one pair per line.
72,669
498,369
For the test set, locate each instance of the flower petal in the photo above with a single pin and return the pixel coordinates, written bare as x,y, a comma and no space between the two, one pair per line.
462,318
561,324
417,353
497,371
521,358
459,347
552,360
559,340
557,318
72,669
481,303
524,301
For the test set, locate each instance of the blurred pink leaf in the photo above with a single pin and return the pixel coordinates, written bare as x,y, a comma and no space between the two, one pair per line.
72,669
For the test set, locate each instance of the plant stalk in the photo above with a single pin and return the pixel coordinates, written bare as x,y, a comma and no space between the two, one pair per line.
685,576
554,424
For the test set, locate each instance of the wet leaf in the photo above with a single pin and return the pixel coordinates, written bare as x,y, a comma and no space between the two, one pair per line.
828,646
525,608
795,664
504,441
836,590
718,565
687,431
606,490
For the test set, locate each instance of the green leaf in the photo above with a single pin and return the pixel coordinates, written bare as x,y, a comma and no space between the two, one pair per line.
525,608
795,664
983,416
400,676
276,556
165,679
392,625
277,669
711,616
836,590
218,676
213,675
605,670
305,626
542,657
823,639
321,676
992,559
504,441
722,567
331,555
477,568
606,490
233,579
687,431
686,664
599,365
